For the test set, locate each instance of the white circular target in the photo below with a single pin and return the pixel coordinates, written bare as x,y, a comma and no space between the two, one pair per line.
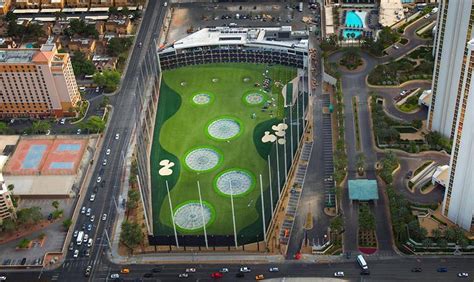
191,216
234,182
202,99
202,159
254,98
224,129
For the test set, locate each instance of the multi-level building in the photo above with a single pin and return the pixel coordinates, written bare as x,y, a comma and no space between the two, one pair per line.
5,6
452,106
455,19
27,4
52,4
458,202
7,209
37,82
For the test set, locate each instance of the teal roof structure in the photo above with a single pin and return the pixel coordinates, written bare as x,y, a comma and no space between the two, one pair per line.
363,190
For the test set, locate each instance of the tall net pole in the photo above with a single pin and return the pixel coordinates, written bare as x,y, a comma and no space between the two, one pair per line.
172,215
202,214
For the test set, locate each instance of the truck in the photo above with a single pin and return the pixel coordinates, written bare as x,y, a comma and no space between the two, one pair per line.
79,238
300,6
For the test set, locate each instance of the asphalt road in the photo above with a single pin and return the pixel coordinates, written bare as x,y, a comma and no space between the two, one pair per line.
122,123
398,269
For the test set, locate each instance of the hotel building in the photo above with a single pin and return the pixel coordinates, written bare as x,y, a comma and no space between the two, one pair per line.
452,105
37,83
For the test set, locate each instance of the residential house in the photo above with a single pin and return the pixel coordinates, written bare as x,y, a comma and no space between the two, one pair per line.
102,3
102,63
77,3
52,4
85,46
27,4
119,26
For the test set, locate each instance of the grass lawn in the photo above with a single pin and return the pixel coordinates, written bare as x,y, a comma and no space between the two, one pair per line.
181,126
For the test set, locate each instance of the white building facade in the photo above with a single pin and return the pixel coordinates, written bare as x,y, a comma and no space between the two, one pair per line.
454,29
458,204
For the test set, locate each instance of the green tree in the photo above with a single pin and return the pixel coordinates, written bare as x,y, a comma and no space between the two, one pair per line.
427,242
55,204
463,242
450,234
94,124
81,28
81,65
4,129
67,223
366,218
131,235
125,11
29,216
105,101
57,214
24,243
10,17
133,198
442,243
436,234
113,11
119,45
337,224
40,126
360,162
107,79
8,225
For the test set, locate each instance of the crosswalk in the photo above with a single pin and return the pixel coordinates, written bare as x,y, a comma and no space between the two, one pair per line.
328,162
295,193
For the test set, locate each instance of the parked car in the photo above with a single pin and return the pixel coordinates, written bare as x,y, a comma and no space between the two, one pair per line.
76,253
92,198
92,218
117,136
71,246
183,275
99,179
274,269
224,270
416,269
259,277
107,152
89,227
114,276
442,269
83,210
463,274
104,216
88,212
75,233
125,270
156,270
89,243
190,270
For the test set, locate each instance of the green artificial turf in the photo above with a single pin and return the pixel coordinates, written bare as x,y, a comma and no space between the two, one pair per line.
181,126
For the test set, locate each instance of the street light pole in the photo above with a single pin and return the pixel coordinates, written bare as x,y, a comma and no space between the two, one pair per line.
202,214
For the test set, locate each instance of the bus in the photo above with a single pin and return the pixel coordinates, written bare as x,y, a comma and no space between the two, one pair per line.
79,238
362,263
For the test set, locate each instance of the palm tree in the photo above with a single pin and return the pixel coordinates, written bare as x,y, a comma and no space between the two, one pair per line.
55,205
360,163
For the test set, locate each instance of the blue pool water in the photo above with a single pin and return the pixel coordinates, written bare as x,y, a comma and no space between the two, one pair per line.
407,1
351,33
353,20
29,45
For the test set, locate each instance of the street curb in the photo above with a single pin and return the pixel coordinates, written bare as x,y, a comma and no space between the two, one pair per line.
394,86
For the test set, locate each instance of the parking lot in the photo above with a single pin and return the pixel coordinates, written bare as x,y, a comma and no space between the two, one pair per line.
21,125
187,18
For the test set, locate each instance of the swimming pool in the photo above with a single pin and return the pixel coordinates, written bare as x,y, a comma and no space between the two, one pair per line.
355,19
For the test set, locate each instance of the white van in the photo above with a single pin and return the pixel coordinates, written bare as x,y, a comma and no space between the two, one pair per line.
362,262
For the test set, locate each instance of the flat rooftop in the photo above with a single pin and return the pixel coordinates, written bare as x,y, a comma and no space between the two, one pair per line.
17,56
47,156
273,36
363,190
49,185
